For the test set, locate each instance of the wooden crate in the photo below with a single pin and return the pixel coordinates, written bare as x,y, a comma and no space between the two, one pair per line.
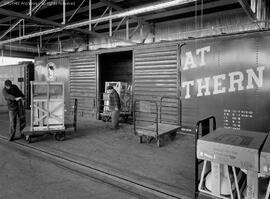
47,106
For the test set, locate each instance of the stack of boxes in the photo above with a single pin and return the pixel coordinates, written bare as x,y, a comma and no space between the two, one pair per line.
265,167
124,91
47,106
237,149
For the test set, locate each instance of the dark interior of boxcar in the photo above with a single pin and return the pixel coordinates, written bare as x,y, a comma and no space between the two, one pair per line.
115,67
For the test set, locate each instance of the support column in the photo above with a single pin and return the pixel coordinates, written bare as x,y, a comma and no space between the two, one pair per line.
40,39
64,12
30,7
23,31
127,29
90,14
110,23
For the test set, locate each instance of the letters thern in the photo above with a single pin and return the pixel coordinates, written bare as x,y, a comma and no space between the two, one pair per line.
238,80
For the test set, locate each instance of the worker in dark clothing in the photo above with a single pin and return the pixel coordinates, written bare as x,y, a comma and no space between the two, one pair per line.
114,106
14,96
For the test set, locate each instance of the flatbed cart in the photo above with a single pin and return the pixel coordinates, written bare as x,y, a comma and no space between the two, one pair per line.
155,128
47,112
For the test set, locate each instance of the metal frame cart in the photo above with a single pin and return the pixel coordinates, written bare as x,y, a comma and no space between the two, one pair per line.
157,128
48,111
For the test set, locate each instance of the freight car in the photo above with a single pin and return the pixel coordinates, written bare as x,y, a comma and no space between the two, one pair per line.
226,76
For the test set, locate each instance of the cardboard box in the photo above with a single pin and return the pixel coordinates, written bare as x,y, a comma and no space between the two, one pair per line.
237,148
265,157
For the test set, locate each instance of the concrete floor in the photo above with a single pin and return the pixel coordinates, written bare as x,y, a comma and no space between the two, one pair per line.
170,167
27,176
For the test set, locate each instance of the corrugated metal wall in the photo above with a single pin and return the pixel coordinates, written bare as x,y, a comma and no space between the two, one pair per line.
83,83
156,75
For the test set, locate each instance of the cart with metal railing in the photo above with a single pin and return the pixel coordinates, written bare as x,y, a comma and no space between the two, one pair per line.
149,122
48,111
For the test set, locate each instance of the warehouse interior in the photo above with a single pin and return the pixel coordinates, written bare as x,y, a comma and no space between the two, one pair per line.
192,78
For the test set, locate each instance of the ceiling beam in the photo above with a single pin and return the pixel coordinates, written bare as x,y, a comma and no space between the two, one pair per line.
207,5
59,16
48,22
5,2
247,8
35,9
119,8
27,17
126,13
178,11
134,11
43,21
81,10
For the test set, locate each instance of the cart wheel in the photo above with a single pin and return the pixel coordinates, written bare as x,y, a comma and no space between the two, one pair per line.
60,136
28,138
172,135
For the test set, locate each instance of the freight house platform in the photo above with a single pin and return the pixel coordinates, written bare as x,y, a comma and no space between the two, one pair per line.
129,99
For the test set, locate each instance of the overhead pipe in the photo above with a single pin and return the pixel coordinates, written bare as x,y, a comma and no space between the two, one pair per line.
134,11
126,13
64,12
90,14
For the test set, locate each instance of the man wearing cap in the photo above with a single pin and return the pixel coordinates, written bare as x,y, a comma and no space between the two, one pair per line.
114,106
13,95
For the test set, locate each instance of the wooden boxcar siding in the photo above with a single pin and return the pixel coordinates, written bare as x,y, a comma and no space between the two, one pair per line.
83,83
156,75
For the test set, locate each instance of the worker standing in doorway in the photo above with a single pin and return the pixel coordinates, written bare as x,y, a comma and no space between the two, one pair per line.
14,96
114,106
